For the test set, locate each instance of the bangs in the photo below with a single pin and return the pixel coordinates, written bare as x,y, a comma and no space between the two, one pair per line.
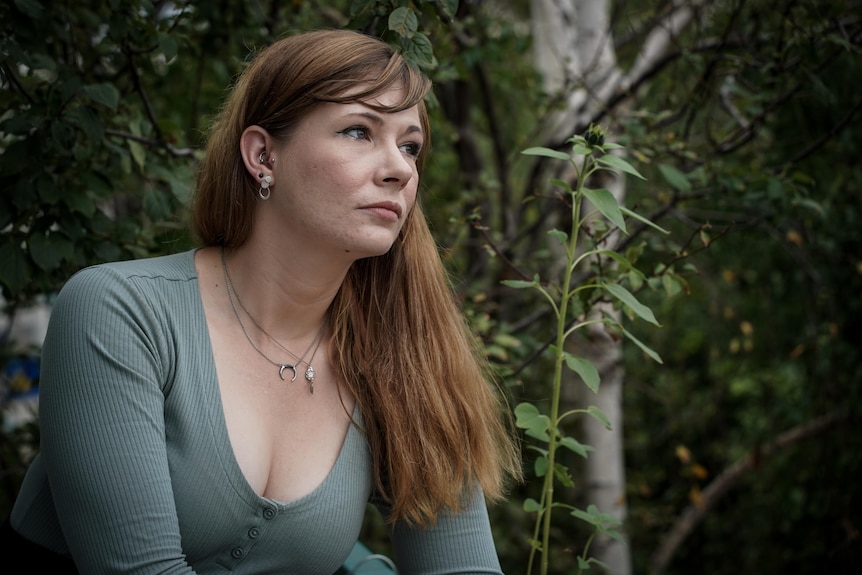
365,83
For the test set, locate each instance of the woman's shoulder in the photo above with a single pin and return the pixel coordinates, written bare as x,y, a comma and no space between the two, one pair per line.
127,280
179,266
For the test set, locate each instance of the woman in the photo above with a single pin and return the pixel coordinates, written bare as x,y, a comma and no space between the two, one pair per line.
234,408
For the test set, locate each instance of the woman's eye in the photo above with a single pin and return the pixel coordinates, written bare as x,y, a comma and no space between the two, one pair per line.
411,149
356,132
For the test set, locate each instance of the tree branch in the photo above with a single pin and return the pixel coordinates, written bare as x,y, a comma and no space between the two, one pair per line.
820,142
179,152
693,514
13,80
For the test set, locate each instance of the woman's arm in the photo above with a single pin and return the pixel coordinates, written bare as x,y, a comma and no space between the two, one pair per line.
102,425
458,544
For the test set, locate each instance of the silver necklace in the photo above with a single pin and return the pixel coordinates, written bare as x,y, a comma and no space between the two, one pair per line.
315,343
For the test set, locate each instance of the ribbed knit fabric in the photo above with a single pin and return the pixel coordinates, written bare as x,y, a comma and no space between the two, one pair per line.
137,475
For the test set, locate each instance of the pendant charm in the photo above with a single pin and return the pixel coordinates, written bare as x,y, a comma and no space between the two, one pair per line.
282,367
309,374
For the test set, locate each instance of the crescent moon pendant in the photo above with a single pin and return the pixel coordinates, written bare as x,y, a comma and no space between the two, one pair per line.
284,366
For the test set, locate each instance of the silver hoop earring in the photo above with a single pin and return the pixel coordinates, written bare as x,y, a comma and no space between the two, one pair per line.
264,192
260,159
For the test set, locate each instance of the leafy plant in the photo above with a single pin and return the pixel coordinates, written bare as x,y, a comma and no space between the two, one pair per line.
574,307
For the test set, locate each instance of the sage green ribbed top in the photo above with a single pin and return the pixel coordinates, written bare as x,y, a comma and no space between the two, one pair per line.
136,473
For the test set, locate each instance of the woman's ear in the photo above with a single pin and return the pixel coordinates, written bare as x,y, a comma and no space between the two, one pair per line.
255,145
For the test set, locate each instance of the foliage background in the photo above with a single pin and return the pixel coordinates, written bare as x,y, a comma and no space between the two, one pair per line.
104,107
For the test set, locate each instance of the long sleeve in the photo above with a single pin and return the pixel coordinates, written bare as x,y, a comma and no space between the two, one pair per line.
458,544
103,429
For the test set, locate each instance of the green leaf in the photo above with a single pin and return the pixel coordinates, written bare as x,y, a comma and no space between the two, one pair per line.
573,444
18,125
31,8
177,179
528,418
79,201
357,7
622,260
620,164
540,467
581,150
450,7
672,285
585,369
562,184
640,218
48,251
403,22
518,284
48,190
631,302
606,203
674,177
599,416
601,521
601,564
107,251
139,154
547,153
157,205
418,50
636,279
583,564
16,269
105,94
642,345
812,205
584,516
168,46
531,505
614,534
561,473
88,121
561,236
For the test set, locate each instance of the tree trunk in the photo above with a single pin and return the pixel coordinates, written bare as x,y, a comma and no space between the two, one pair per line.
574,52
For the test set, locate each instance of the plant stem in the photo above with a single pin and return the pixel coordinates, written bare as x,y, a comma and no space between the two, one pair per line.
548,490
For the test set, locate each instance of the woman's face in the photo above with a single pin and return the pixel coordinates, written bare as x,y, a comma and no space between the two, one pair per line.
347,177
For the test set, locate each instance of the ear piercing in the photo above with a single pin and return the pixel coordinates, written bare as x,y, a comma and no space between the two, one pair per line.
264,192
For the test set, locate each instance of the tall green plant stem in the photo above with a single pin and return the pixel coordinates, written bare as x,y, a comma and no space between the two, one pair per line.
562,334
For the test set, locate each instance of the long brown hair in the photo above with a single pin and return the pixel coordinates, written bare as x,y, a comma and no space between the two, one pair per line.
432,415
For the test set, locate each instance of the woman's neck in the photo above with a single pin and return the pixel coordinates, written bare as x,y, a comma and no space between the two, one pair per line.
286,295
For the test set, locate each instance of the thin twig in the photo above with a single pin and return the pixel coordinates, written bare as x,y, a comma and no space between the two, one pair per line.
693,514
179,152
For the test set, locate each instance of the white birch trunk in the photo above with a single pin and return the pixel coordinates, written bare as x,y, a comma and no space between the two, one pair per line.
574,52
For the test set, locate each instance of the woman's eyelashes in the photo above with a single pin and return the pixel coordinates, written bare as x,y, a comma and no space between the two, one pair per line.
412,149
356,132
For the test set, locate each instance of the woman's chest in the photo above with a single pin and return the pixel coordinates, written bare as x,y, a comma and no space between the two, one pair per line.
224,520
284,438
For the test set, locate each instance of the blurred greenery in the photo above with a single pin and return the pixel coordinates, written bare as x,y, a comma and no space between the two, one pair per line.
748,132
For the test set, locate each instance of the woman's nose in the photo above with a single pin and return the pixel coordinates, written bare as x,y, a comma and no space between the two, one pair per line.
396,166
